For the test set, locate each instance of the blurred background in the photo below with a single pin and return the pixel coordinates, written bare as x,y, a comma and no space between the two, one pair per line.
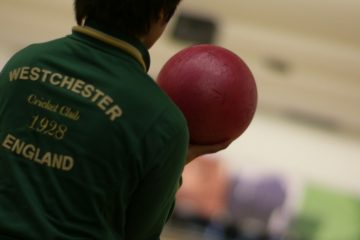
295,173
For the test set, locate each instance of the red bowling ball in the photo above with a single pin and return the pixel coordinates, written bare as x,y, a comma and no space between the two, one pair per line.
215,90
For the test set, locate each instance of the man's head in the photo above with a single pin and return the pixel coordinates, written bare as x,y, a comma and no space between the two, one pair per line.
133,17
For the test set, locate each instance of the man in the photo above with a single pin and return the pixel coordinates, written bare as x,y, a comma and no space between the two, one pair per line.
90,147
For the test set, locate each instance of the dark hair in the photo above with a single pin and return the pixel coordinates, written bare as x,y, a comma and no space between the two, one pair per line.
132,17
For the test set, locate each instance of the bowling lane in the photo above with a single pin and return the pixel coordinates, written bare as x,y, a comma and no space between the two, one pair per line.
299,151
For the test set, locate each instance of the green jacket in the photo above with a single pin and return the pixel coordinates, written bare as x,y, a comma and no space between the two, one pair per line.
90,147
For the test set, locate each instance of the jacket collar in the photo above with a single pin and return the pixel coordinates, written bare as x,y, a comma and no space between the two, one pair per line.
131,46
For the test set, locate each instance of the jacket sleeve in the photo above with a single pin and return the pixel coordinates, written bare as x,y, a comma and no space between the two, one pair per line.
153,201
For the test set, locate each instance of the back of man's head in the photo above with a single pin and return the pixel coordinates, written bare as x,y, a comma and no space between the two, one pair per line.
132,17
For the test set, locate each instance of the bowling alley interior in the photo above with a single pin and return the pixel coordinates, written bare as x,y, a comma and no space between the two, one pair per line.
294,173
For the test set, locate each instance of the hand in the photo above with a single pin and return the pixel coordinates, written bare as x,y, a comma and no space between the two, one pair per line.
195,151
